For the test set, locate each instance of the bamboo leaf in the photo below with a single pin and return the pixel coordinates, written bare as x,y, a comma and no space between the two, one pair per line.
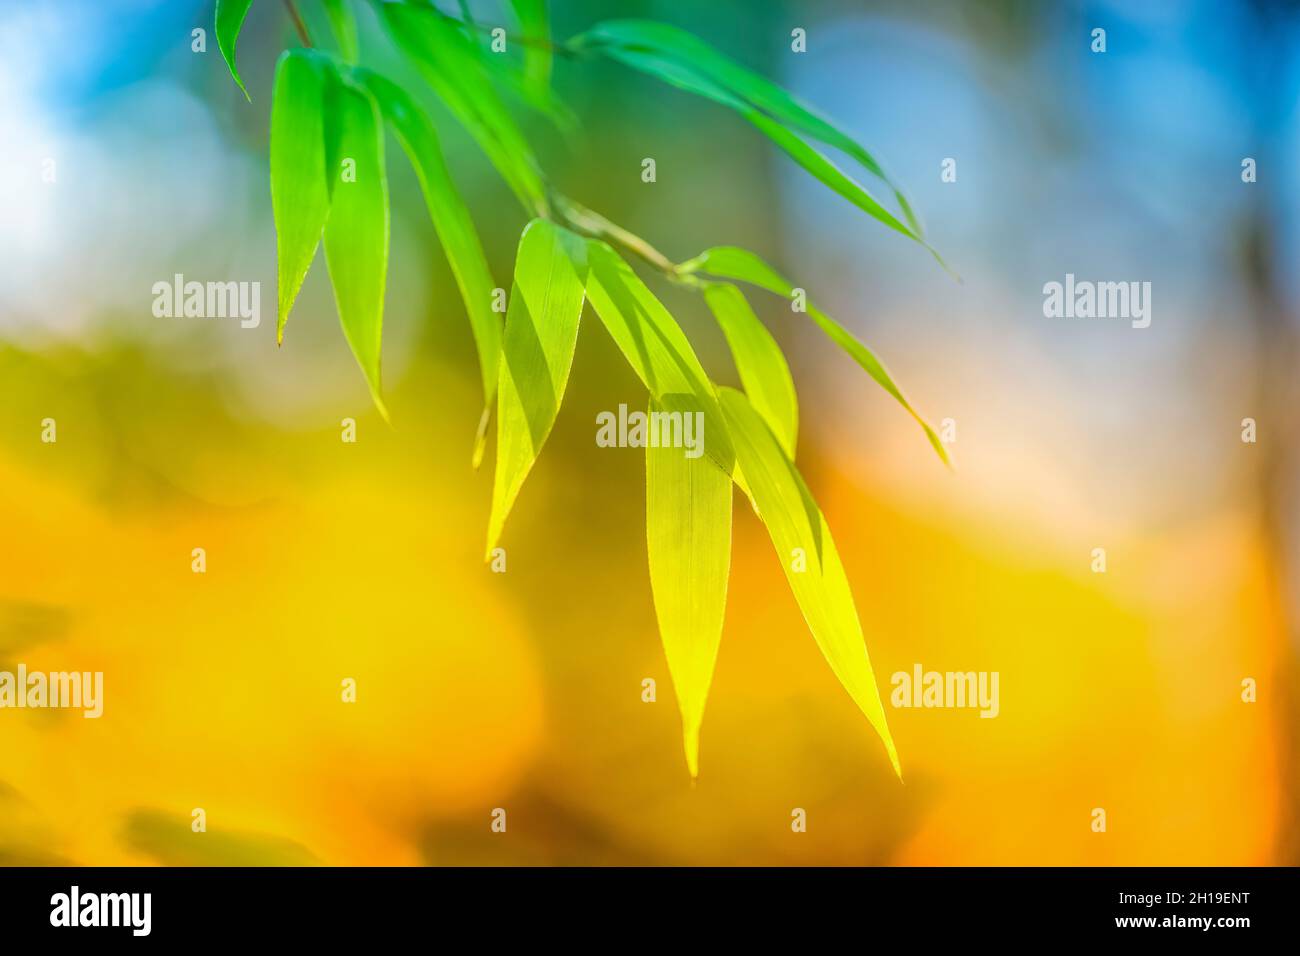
654,345
229,17
832,176
451,219
686,61
688,532
741,265
344,24
534,25
793,521
451,64
762,366
356,231
527,79
685,77
537,354
299,191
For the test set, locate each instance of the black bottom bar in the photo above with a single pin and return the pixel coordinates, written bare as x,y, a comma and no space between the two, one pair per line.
533,905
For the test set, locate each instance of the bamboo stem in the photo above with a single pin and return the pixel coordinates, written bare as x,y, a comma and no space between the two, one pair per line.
298,23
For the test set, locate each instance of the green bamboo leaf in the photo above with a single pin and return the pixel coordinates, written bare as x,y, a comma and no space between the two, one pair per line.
741,265
344,24
451,218
654,345
535,26
762,366
797,526
686,61
832,176
542,99
299,192
684,77
688,532
536,356
480,434
230,16
451,63
669,42
356,231
529,79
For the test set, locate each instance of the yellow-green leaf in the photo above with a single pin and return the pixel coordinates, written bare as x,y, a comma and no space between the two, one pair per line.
730,262
450,217
230,16
299,193
803,540
654,345
536,355
536,28
762,367
685,77
356,231
528,79
661,44
688,532
451,64
834,177
687,62
344,24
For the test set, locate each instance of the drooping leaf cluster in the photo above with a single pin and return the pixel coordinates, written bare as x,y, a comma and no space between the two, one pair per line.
329,185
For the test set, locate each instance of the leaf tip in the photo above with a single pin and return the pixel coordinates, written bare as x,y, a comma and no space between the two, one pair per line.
480,438
381,407
888,739
942,262
937,444
691,742
496,521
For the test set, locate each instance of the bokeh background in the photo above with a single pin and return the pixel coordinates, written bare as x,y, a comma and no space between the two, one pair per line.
523,690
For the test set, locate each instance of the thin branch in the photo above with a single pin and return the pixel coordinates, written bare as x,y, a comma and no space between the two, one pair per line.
593,224
297,22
